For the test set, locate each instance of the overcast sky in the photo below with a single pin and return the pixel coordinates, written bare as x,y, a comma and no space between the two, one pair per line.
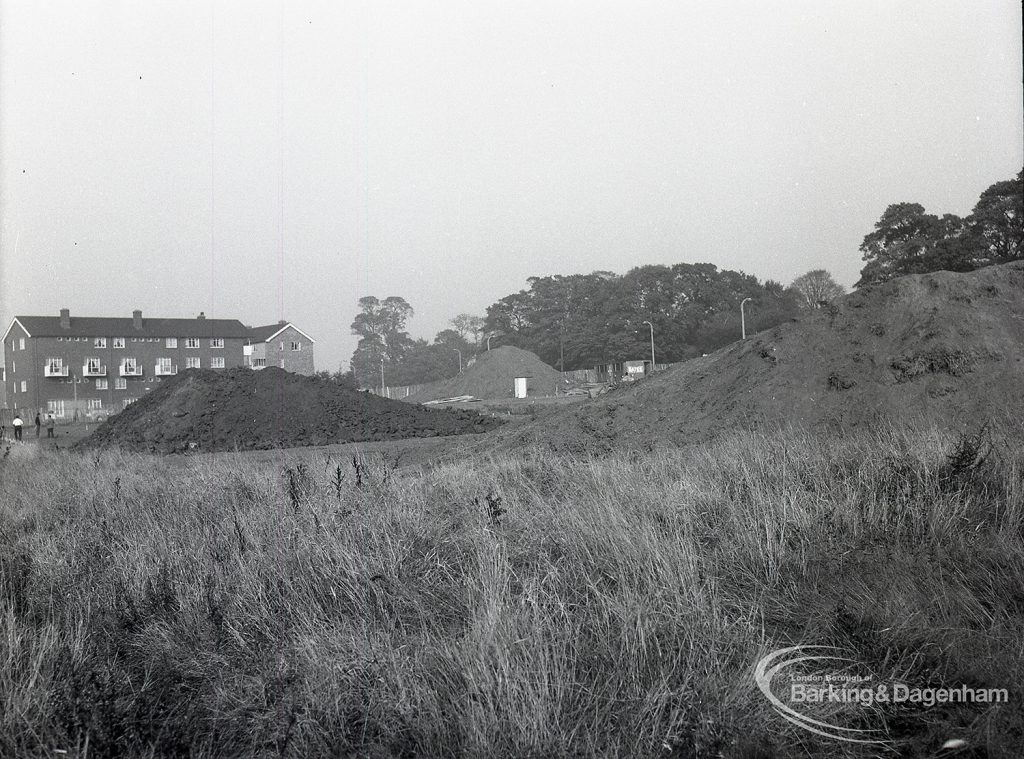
267,160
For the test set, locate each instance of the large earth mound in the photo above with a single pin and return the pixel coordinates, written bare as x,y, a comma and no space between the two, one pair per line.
492,375
242,409
942,347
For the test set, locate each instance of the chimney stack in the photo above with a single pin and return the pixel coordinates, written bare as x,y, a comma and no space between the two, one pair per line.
281,322
137,319
202,315
65,319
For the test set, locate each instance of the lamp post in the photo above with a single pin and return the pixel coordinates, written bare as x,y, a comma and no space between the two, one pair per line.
743,318
652,345
460,358
489,341
382,391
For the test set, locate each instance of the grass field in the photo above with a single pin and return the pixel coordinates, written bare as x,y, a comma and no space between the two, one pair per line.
528,606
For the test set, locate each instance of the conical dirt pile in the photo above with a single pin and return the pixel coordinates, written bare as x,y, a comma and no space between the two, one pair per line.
492,376
242,409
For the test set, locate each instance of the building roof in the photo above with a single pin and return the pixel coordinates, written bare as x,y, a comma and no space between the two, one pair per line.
101,326
270,331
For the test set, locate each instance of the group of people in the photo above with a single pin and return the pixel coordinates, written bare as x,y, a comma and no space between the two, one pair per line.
19,425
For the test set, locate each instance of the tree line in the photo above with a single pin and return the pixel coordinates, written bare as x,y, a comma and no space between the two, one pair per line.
580,320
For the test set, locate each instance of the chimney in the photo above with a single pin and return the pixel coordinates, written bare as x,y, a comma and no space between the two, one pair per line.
137,319
281,322
202,315
65,319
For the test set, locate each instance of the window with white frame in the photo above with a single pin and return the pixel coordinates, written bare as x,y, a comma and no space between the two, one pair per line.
93,365
24,386
21,343
130,366
192,362
217,362
171,342
216,342
128,402
259,362
56,408
191,342
118,342
120,383
99,342
101,384
94,404
55,365
164,364
296,345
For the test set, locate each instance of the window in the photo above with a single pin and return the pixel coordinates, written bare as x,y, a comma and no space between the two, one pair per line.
56,408
164,364
93,366
171,342
216,342
130,368
191,342
99,342
259,363
118,342
101,384
192,362
94,404
217,362
128,402
120,383
24,386
296,345
55,368
21,343
281,345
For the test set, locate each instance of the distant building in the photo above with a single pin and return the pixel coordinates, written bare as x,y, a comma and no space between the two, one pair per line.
282,345
90,367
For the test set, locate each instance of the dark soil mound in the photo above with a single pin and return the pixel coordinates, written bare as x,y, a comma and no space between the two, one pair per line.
943,347
242,409
492,376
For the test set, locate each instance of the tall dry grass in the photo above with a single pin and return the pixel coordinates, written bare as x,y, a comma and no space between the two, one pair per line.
526,606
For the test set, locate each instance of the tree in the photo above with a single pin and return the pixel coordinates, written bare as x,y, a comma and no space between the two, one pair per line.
383,322
901,239
816,287
381,329
467,324
997,222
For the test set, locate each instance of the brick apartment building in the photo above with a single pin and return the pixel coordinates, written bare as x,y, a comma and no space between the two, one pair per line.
283,345
75,367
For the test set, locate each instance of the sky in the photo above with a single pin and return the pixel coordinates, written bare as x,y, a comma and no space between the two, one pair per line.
280,160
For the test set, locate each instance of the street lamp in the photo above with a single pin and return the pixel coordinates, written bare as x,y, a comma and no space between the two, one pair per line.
652,345
460,358
743,318
382,391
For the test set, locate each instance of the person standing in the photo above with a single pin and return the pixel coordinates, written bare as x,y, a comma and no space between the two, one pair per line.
17,426
39,424
49,425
